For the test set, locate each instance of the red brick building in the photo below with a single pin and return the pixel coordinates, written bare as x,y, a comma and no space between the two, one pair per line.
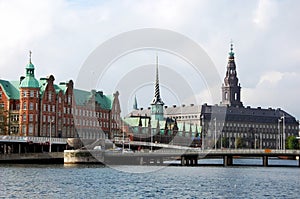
32,107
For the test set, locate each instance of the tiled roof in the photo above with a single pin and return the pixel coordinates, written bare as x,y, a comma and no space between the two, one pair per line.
81,97
11,89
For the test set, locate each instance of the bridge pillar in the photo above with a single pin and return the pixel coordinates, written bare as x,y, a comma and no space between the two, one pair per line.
183,162
227,160
265,161
141,160
161,161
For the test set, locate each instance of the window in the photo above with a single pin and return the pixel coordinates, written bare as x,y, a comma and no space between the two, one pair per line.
235,96
0,94
59,99
44,107
49,95
14,118
2,105
30,130
30,117
53,108
30,106
226,95
31,93
24,93
24,117
24,106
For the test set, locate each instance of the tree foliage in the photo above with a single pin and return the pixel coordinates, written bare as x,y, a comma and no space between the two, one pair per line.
3,121
292,143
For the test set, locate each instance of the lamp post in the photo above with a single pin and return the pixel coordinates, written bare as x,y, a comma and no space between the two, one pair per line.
123,142
279,144
202,132
51,121
215,135
283,131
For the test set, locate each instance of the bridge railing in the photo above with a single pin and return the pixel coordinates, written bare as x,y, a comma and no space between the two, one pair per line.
24,139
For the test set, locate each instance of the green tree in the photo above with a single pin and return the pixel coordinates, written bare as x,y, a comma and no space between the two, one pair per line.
239,142
225,142
3,122
292,143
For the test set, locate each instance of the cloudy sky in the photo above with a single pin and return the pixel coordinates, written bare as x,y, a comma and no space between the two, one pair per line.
62,34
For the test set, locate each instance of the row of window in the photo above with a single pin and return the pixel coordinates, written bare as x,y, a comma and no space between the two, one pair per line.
245,135
32,106
31,118
90,113
30,93
261,126
186,117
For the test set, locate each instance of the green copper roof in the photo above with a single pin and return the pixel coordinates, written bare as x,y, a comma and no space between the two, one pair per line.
10,88
81,97
29,82
30,66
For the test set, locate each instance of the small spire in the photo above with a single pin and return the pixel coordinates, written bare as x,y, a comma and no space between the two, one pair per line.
30,56
231,49
135,105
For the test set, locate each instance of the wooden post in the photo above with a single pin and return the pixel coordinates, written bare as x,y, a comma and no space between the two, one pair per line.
227,160
265,161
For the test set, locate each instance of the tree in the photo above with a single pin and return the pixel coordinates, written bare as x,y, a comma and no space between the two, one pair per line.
225,142
3,122
239,143
292,143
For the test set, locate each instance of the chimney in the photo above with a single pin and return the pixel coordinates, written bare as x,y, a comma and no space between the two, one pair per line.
21,78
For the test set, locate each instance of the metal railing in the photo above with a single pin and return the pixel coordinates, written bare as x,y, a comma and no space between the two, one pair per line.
24,139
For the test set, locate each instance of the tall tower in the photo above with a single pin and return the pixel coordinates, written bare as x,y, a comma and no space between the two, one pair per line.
135,104
29,99
231,89
157,111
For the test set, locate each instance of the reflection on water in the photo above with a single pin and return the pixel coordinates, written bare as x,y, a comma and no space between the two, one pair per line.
96,181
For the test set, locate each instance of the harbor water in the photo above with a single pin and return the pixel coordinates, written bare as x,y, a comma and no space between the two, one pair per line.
96,181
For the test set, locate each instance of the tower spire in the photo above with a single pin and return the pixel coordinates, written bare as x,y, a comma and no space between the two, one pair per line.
135,105
157,99
231,89
30,56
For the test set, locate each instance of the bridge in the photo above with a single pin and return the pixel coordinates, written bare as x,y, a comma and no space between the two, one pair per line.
187,157
30,144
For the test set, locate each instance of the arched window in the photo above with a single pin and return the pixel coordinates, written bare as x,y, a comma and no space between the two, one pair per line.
235,96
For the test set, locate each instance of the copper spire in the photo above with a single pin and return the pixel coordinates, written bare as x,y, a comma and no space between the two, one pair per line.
157,99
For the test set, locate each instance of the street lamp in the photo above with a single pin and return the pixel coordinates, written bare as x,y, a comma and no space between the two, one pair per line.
51,121
279,143
215,136
283,131
202,132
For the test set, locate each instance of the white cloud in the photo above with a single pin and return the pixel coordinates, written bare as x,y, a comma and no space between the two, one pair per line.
62,33
276,90
265,12
272,78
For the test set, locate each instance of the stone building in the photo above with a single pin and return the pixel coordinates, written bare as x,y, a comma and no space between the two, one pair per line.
230,124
